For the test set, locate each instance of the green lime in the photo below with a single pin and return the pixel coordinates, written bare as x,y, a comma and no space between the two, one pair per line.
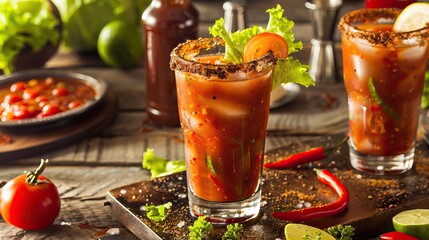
414,222
120,44
295,231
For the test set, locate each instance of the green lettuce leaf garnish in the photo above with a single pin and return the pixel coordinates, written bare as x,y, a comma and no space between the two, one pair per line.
157,213
287,70
25,24
161,166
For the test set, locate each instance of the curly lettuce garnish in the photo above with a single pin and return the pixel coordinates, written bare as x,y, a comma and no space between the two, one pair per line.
159,166
157,213
287,70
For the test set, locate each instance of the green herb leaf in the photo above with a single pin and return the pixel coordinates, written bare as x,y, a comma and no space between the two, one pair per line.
160,166
25,24
233,231
210,165
157,213
425,95
380,102
342,232
288,70
199,229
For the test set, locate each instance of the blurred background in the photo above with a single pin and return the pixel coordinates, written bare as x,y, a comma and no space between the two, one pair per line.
295,10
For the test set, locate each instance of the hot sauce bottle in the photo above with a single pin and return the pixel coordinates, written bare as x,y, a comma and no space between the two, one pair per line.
166,23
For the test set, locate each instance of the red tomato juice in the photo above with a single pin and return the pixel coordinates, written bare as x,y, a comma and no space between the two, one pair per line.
224,124
384,86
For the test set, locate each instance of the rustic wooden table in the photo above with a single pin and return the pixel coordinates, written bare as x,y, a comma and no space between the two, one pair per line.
86,169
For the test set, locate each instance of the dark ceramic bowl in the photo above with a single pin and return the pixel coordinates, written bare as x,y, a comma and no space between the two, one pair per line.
99,86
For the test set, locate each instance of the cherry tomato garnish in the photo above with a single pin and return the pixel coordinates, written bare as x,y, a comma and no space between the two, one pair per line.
21,113
49,110
74,104
397,236
60,91
18,86
7,115
42,98
260,44
37,93
11,99
30,94
30,201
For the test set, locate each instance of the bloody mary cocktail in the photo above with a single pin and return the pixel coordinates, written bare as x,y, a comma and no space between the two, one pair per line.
384,76
223,110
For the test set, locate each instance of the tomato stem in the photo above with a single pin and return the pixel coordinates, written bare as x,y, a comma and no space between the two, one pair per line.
2,183
32,176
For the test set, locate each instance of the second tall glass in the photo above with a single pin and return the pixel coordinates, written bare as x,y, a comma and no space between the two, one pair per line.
223,110
384,76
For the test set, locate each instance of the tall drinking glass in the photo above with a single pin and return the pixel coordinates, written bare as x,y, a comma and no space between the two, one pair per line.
384,76
223,111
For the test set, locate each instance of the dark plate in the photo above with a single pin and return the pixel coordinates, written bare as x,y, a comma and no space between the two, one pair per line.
99,85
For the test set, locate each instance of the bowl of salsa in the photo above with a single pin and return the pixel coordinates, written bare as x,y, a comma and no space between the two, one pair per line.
38,97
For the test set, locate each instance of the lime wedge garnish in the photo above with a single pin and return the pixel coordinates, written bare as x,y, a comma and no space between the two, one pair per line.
413,222
296,231
415,16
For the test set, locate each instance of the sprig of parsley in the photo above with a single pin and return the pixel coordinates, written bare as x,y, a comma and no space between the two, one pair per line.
342,232
233,231
157,213
200,228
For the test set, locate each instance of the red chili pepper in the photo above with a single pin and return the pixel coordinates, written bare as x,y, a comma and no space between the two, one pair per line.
311,155
219,185
326,177
397,236
296,159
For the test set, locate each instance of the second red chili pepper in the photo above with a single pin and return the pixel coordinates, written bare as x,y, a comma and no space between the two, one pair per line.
311,155
326,177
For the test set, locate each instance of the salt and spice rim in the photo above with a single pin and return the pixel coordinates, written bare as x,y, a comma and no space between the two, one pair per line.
348,25
182,60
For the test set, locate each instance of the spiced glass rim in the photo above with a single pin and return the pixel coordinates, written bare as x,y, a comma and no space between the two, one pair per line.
182,60
349,26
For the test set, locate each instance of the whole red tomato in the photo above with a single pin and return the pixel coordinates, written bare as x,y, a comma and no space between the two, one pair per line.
30,201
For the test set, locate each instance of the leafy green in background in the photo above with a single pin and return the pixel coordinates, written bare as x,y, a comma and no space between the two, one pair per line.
84,19
425,96
25,24
161,166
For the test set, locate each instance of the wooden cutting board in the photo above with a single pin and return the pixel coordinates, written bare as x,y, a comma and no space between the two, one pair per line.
373,200
23,142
